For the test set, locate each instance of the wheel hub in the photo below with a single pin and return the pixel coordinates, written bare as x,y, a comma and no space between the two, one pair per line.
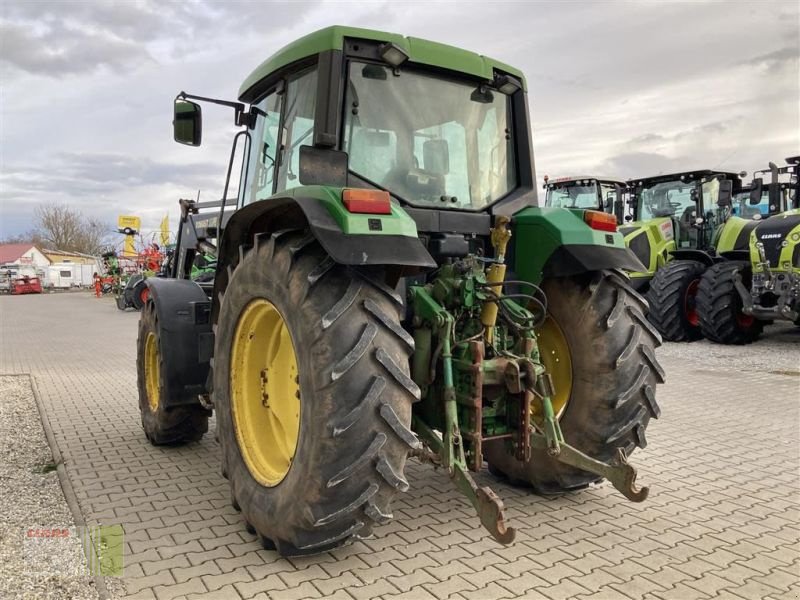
152,371
265,392
555,356
690,303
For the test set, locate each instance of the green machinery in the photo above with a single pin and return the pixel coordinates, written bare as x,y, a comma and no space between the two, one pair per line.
674,218
759,281
387,288
597,193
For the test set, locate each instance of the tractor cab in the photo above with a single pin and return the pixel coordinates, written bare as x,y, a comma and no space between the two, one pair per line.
674,212
597,193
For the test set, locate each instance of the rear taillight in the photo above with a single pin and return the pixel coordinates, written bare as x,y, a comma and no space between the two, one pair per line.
374,202
600,220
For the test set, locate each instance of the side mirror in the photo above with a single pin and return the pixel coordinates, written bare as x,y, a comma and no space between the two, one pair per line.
323,166
187,124
725,193
755,191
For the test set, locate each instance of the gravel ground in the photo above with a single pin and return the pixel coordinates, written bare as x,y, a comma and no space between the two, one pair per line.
776,351
31,498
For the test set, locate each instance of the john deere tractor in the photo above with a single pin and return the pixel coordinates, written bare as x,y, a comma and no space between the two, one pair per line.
387,288
673,222
596,193
758,282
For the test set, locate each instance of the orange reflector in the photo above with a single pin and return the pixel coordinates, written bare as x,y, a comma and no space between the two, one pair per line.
600,220
374,202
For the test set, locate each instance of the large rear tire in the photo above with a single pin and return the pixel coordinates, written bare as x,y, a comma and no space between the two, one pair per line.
672,298
720,306
331,453
162,425
605,373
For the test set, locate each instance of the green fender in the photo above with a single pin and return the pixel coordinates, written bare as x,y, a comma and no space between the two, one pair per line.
557,242
351,239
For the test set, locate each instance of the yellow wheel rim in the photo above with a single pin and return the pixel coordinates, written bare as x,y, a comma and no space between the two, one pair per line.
555,356
152,370
265,393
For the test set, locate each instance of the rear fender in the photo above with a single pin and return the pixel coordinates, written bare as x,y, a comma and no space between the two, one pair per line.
182,309
691,254
557,242
349,239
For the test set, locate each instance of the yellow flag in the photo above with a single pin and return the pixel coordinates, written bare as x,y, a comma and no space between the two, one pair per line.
165,230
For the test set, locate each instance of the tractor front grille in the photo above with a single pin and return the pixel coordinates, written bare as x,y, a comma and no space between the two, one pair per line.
772,233
640,246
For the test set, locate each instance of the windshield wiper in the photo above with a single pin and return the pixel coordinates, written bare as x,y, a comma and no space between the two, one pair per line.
378,186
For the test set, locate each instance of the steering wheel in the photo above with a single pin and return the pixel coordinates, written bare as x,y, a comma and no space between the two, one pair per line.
675,204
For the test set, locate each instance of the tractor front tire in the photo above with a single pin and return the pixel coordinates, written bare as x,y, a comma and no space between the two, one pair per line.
330,456
720,306
162,425
606,373
672,297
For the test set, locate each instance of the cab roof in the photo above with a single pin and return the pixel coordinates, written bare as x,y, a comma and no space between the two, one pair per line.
419,51
572,178
688,175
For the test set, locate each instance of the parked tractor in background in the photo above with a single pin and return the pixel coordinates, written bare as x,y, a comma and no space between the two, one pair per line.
596,193
360,313
674,218
759,281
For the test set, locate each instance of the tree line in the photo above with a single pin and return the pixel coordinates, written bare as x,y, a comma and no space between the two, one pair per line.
59,227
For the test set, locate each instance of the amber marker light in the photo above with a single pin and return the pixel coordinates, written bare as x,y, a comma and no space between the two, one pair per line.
373,202
600,220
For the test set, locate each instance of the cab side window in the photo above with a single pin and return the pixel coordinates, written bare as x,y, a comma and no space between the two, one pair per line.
260,180
298,126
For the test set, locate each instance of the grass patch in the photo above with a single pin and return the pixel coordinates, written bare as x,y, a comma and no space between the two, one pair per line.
45,468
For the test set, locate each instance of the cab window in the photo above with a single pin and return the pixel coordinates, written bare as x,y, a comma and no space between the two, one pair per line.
260,179
298,126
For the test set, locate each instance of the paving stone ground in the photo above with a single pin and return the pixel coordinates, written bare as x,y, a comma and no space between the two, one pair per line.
722,520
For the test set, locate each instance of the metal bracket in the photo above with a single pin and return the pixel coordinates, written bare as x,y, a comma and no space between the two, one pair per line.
488,505
619,472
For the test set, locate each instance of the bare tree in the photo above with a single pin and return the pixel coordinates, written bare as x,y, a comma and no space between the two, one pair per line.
63,228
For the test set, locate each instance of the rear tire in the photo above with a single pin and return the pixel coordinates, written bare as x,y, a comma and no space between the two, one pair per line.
614,375
672,298
175,425
720,306
352,359
140,294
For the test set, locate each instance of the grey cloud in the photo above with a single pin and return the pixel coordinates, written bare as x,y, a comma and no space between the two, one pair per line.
64,50
645,164
94,175
774,61
61,38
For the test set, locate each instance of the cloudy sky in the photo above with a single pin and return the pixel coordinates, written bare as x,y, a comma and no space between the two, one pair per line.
624,89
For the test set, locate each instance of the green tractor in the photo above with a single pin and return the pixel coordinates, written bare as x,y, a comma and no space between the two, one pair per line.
674,218
370,303
597,193
760,282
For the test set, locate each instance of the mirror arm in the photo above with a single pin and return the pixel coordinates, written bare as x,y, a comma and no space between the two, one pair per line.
241,118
